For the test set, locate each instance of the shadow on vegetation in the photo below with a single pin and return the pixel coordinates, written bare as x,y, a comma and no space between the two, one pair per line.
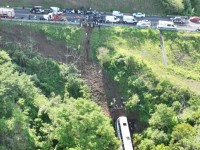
22,45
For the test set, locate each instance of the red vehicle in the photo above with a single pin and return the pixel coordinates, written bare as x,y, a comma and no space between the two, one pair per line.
194,19
54,17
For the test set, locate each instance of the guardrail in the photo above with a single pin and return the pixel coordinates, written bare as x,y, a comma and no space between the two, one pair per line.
78,23
41,21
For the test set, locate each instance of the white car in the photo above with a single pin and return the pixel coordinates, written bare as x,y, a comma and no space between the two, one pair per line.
144,23
55,10
139,15
117,13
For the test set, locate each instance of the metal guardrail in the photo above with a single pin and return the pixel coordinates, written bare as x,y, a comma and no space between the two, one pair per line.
77,23
41,21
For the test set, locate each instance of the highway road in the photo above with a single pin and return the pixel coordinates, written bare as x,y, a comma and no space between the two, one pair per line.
23,13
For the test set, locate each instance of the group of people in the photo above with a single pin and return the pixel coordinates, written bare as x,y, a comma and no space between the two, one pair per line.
114,106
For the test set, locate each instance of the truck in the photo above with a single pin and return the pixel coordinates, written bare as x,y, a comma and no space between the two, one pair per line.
129,19
6,12
111,19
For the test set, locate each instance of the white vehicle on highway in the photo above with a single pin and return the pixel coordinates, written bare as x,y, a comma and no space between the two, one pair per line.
139,15
129,19
117,13
55,10
144,23
111,19
166,25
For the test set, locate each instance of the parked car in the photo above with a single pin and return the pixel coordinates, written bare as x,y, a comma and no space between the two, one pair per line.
71,11
180,20
194,19
198,30
90,11
117,13
98,18
55,10
37,10
144,23
139,15
82,12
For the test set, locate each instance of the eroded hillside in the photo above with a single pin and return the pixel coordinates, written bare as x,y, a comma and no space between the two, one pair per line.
115,62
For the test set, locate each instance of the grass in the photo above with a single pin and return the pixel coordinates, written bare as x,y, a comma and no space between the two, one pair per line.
127,6
21,39
72,36
182,50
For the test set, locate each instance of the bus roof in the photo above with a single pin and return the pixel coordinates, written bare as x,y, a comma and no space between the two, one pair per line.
125,133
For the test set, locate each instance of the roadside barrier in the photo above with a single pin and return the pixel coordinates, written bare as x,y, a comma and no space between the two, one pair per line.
77,22
40,21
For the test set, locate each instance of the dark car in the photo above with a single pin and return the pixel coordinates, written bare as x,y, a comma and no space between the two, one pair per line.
90,11
37,10
181,20
80,11
98,18
71,11
198,30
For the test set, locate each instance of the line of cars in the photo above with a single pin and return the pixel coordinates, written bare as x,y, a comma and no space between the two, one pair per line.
137,19
118,17
41,10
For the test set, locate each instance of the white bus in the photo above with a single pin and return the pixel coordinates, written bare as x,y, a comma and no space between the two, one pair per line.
124,133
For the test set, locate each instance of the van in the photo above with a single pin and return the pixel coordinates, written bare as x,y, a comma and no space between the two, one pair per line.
166,25
129,19
117,13
111,19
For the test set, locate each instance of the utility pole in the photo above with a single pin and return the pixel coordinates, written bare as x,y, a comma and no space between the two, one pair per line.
163,49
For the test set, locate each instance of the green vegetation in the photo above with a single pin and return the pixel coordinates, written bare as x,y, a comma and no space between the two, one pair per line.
44,103
184,7
170,7
128,6
173,6
162,96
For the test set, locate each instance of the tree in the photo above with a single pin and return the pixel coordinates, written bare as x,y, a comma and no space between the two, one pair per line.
146,144
187,7
195,4
184,136
173,6
164,118
159,137
79,124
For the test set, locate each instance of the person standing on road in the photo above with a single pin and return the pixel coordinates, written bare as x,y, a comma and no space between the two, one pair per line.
29,16
99,25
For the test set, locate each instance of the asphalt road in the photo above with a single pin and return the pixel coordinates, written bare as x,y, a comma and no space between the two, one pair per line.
23,13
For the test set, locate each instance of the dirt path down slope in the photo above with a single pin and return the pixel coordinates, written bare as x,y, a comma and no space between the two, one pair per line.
103,88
